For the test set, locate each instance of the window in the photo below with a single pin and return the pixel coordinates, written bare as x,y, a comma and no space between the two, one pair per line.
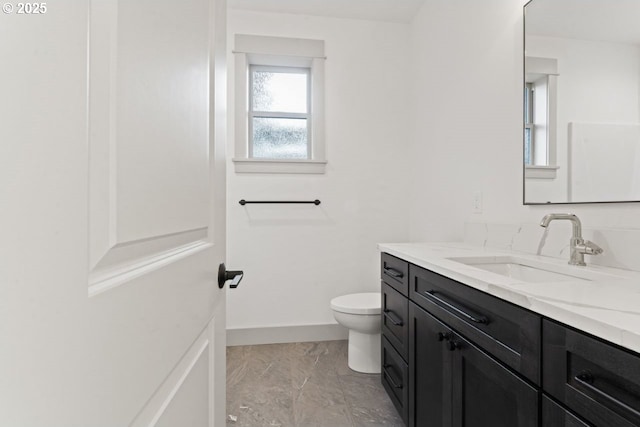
279,111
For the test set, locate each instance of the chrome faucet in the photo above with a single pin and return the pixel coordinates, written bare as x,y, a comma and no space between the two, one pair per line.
579,246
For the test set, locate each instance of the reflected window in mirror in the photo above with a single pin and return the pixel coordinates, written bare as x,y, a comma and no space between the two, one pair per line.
528,123
540,97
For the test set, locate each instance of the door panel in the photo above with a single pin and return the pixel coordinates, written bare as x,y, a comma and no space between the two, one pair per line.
185,389
553,415
183,409
112,216
148,135
485,393
161,112
430,385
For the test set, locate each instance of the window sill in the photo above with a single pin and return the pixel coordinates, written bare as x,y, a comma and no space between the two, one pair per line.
541,172
279,166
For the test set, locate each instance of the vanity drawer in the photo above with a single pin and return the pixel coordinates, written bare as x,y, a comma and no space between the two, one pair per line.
597,380
508,332
395,272
395,378
395,309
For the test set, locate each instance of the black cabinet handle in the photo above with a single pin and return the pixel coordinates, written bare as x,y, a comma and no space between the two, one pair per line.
586,380
392,317
444,336
393,272
472,317
390,377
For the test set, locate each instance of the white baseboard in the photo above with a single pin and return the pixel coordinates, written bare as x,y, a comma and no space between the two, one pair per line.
285,334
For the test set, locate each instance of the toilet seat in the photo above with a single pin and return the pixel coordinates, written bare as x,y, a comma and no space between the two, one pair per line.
368,303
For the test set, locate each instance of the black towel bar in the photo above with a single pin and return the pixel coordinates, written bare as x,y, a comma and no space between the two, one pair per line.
296,202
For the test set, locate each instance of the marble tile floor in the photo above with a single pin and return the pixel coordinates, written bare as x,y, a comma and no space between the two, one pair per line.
303,385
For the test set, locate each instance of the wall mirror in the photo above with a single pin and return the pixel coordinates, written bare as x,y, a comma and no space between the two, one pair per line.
581,101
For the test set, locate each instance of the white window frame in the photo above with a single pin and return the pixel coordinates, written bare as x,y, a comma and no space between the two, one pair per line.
546,70
253,114
268,51
529,123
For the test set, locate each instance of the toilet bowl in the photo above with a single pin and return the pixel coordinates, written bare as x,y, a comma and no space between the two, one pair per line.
360,313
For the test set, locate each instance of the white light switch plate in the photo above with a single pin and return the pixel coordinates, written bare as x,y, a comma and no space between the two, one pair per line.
476,206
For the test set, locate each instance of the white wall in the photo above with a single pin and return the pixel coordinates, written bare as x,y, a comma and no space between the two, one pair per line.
467,130
458,147
296,258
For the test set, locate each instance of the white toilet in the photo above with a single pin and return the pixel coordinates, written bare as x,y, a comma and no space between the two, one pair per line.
360,313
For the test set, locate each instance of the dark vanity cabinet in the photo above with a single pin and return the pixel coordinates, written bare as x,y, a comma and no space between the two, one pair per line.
454,356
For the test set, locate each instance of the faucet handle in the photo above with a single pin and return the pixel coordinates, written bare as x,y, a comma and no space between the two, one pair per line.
589,248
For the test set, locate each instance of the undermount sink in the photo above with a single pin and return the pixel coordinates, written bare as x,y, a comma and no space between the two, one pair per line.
527,270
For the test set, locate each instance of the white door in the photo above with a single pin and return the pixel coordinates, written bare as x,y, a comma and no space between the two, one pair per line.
112,213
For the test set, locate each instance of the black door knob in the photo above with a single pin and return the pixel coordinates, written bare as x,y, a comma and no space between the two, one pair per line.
234,275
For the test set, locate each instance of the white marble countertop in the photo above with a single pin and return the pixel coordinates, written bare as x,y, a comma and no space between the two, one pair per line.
607,307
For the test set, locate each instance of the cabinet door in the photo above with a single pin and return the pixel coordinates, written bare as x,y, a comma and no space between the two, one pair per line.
430,368
486,393
553,415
